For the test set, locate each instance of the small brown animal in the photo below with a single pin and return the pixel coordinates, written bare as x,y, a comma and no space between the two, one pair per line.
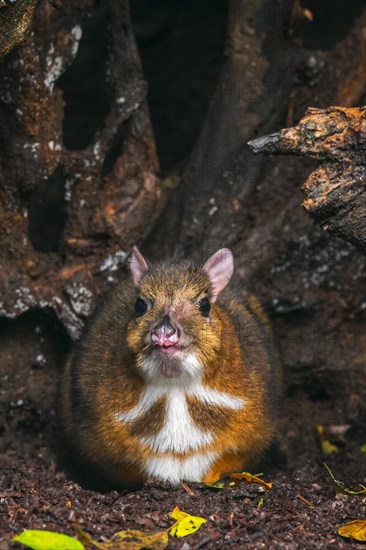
174,378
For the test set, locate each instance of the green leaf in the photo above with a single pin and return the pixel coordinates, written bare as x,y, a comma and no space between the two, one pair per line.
216,486
260,503
340,489
363,449
47,540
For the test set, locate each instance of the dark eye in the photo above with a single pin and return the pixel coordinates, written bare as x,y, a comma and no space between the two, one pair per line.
141,307
204,306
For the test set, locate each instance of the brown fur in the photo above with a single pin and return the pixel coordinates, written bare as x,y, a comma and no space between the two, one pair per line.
104,377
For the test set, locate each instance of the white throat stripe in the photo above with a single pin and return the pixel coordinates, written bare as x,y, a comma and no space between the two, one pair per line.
179,433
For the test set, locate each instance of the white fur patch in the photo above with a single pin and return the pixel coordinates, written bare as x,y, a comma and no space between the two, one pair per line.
179,433
175,470
215,397
192,368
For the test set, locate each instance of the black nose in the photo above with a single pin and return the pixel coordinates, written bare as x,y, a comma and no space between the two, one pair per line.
165,327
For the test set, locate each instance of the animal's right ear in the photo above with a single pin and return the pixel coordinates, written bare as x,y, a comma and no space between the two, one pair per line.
138,265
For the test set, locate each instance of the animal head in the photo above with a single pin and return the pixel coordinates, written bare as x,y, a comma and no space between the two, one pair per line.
175,330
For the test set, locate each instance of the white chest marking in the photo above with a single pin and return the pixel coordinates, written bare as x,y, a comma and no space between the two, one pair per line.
178,434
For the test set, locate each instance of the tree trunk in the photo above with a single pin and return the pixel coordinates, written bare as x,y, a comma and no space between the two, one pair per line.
78,165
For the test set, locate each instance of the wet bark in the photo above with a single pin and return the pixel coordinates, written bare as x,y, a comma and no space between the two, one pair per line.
78,165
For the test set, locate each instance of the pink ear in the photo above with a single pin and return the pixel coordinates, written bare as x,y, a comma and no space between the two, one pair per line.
138,265
219,268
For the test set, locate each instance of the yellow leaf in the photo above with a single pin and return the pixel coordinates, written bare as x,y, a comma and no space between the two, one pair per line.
137,540
249,478
340,489
328,448
47,540
130,539
354,529
185,524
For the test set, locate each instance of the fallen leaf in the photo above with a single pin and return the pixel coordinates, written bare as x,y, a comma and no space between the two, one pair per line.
86,538
136,540
130,539
340,489
249,478
185,524
216,486
47,540
328,448
354,529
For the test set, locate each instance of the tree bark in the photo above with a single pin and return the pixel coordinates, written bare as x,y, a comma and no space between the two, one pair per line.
248,98
71,207
15,22
336,191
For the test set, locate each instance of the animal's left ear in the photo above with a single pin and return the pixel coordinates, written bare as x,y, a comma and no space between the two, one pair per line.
219,268
138,265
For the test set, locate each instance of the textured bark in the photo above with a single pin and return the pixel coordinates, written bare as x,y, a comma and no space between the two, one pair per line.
15,21
70,210
336,191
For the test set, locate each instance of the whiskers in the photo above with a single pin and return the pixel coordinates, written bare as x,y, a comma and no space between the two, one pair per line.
148,346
